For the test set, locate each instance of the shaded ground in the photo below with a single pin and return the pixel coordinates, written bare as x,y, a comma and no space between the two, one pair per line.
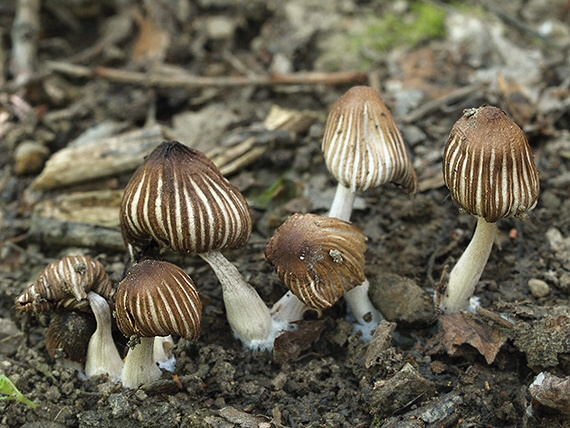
423,373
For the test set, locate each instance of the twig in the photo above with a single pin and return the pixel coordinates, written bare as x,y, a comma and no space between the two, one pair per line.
188,81
442,102
25,32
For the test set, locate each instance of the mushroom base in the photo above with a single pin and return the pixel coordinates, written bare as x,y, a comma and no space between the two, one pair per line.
140,366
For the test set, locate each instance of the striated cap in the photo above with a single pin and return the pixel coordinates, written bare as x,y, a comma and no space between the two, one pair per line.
157,298
362,144
64,284
69,332
179,199
318,258
488,165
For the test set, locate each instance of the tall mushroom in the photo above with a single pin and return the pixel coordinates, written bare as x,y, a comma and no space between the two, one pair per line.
179,199
79,283
156,298
489,169
363,148
318,258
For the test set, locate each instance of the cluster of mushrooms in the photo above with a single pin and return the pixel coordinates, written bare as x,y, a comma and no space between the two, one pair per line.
178,199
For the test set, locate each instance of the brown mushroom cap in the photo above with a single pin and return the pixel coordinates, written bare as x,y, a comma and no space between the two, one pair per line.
362,144
488,165
157,298
64,284
179,199
318,258
70,332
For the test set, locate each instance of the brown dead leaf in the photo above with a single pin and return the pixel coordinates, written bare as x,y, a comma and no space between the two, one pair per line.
151,43
291,344
460,329
518,104
551,391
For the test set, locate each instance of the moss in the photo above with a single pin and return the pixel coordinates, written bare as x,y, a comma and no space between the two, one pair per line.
373,36
382,34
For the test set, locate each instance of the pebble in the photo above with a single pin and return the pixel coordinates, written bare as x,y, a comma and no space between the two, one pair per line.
29,157
538,288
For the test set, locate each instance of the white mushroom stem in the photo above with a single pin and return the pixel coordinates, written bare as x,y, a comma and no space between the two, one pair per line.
247,314
357,299
140,367
342,203
361,307
163,352
102,355
465,275
288,309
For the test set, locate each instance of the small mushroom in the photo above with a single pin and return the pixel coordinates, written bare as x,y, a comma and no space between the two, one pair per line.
179,199
489,169
156,298
64,284
79,283
68,335
363,148
318,258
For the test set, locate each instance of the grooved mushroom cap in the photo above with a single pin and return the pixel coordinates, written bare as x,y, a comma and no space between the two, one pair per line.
70,332
362,144
318,258
179,199
157,298
488,165
64,284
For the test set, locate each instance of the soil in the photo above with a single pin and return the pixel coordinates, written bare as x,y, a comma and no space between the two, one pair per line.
421,369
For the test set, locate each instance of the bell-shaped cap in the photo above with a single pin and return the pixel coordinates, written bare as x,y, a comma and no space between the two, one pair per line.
179,199
64,284
157,298
318,258
362,144
488,165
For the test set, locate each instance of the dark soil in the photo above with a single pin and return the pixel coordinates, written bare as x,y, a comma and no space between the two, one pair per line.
418,374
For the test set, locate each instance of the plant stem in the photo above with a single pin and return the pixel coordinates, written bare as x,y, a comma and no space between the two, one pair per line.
247,314
465,275
288,309
343,201
140,367
102,355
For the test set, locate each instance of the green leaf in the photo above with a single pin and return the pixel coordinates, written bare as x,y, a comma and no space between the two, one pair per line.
8,391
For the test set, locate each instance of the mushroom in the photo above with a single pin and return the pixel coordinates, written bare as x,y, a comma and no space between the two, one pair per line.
156,298
363,148
179,199
67,337
318,258
79,283
489,169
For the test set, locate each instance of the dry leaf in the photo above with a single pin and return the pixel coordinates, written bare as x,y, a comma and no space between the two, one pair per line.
290,344
459,329
518,104
152,42
552,391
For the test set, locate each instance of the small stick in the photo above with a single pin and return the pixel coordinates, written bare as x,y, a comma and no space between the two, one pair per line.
493,317
439,103
189,81
25,32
